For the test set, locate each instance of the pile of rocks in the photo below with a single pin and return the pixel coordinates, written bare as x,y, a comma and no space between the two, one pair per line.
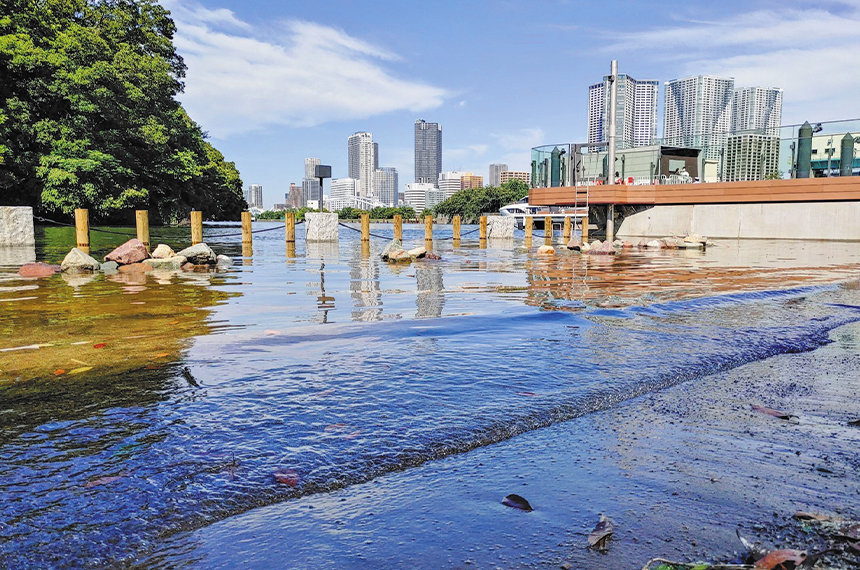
596,247
394,253
132,257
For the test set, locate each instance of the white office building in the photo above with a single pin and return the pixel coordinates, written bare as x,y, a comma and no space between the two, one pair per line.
496,170
362,161
635,111
422,195
343,188
385,185
757,109
254,196
751,156
699,113
450,182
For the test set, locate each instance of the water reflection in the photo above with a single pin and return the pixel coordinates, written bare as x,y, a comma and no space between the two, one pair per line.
430,298
364,287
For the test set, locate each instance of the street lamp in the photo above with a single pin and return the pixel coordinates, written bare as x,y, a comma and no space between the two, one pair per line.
322,171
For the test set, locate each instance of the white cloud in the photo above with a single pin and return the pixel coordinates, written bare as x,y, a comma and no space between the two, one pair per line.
811,54
238,83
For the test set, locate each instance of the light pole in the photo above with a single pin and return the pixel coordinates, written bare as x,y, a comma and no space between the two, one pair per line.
322,171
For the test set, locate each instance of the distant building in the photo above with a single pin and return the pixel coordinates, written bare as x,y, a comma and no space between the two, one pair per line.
310,166
279,207
509,175
757,109
311,191
254,196
496,170
385,185
428,151
422,195
698,113
343,188
751,156
362,161
451,182
295,199
635,112
469,181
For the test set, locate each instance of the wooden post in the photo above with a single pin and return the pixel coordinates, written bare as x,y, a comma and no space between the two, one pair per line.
196,227
290,225
428,228
547,230
398,227
482,232
247,238
142,219
82,229
584,229
365,227
528,226
566,232
456,229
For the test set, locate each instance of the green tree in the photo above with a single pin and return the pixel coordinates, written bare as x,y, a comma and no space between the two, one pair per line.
89,117
471,204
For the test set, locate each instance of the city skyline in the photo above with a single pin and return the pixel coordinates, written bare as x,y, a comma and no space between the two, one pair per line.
273,83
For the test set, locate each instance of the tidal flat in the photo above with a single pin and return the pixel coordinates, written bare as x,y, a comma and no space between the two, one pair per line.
377,414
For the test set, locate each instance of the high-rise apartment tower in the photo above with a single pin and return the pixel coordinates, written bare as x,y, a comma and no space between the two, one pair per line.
699,113
428,152
757,109
385,185
362,161
636,112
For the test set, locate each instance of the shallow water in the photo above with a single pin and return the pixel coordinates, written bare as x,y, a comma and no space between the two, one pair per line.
136,407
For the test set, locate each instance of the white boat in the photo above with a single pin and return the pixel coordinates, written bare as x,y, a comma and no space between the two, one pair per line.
522,209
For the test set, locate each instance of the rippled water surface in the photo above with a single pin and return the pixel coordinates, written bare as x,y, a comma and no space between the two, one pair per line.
133,407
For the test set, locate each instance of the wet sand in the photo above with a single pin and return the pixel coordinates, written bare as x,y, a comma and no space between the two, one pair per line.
678,472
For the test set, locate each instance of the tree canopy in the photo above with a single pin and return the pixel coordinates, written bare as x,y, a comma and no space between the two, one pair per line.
89,116
470,204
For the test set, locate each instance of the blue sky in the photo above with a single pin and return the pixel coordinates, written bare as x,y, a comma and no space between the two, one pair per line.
273,82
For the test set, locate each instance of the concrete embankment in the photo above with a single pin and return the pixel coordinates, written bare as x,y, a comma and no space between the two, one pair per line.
800,220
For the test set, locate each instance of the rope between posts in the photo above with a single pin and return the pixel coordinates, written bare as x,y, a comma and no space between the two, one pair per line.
358,230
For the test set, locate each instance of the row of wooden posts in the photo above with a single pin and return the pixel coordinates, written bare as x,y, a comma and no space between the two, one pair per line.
82,228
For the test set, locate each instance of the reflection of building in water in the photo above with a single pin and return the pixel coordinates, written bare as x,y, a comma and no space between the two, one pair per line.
431,291
364,288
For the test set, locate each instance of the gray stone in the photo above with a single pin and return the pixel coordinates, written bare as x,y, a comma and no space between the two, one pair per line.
321,226
574,244
109,267
417,252
546,250
393,246
132,251
16,226
224,262
605,248
500,227
163,251
174,263
78,261
199,254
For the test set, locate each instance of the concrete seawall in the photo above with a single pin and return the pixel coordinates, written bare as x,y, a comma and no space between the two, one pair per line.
799,220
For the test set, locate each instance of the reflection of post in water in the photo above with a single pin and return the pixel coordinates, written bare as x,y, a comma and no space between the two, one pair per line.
247,253
291,250
431,297
324,303
365,249
528,225
364,288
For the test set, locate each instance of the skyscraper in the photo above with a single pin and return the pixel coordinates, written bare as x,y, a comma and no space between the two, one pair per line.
636,111
310,164
428,152
758,109
385,183
254,197
295,199
362,161
496,173
310,183
699,113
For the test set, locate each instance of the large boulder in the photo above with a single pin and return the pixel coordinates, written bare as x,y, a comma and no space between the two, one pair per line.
655,244
37,270
163,251
546,250
500,227
199,254
417,252
574,244
132,251
174,263
605,248
78,261
224,262
394,246
321,226
110,267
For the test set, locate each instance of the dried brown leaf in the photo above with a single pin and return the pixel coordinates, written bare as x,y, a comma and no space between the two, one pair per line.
601,533
781,560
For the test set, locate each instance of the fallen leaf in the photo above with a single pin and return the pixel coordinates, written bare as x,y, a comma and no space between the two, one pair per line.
601,533
100,345
772,412
79,361
59,372
287,477
176,322
162,354
102,481
781,560
804,516
80,370
517,502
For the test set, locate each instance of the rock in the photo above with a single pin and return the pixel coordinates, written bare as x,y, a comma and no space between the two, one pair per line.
223,262
585,247
595,244
77,260
643,243
163,251
134,268
199,254
431,255
37,270
655,244
618,243
417,252
174,263
188,267
109,267
500,227
392,247
132,251
605,248
626,245
321,226
400,256
574,244
16,226
546,250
